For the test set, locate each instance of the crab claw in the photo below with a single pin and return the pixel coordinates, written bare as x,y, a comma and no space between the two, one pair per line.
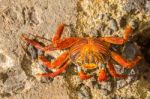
102,75
84,76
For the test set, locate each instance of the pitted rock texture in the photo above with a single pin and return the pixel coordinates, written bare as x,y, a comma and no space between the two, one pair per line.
94,18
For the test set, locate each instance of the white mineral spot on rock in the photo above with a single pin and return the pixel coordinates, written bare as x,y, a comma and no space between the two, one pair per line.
7,60
35,67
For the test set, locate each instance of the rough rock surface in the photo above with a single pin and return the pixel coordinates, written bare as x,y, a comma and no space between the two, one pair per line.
18,68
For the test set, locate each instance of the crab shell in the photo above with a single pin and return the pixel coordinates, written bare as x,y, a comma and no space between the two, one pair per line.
89,53
86,53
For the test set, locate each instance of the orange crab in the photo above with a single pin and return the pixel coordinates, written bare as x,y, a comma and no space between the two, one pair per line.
86,53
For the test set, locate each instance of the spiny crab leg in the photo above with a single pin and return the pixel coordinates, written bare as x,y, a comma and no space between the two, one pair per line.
57,72
118,40
113,71
125,63
57,43
37,45
57,63
102,75
82,75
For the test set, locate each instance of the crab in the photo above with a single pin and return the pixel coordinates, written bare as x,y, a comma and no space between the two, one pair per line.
87,53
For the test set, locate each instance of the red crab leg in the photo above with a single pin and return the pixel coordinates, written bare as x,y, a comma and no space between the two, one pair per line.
65,43
82,75
113,71
37,45
119,40
57,63
58,33
57,72
123,62
102,75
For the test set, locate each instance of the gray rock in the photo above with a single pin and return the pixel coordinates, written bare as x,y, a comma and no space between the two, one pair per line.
113,25
129,50
121,22
15,82
119,69
133,5
107,17
121,83
2,58
147,6
108,31
104,92
84,92
32,51
134,24
106,86
100,16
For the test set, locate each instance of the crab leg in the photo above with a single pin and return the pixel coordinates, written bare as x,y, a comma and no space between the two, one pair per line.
123,62
102,75
58,33
57,72
82,75
37,45
57,63
62,43
119,40
113,71
66,43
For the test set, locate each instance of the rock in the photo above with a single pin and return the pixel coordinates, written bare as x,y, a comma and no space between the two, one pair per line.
100,16
119,69
106,86
120,83
147,6
107,17
104,92
121,22
7,60
108,31
133,6
32,51
113,25
15,83
130,50
84,92
134,24
148,95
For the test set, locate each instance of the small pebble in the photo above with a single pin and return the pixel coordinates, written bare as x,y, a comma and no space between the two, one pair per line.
113,25
2,58
129,50
107,17
106,85
32,52
119,69
134,24
84,92
133,5
104,92
121,22
121,83
100,16
108,31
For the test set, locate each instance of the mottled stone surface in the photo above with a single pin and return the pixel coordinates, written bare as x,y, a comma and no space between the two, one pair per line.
18,68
